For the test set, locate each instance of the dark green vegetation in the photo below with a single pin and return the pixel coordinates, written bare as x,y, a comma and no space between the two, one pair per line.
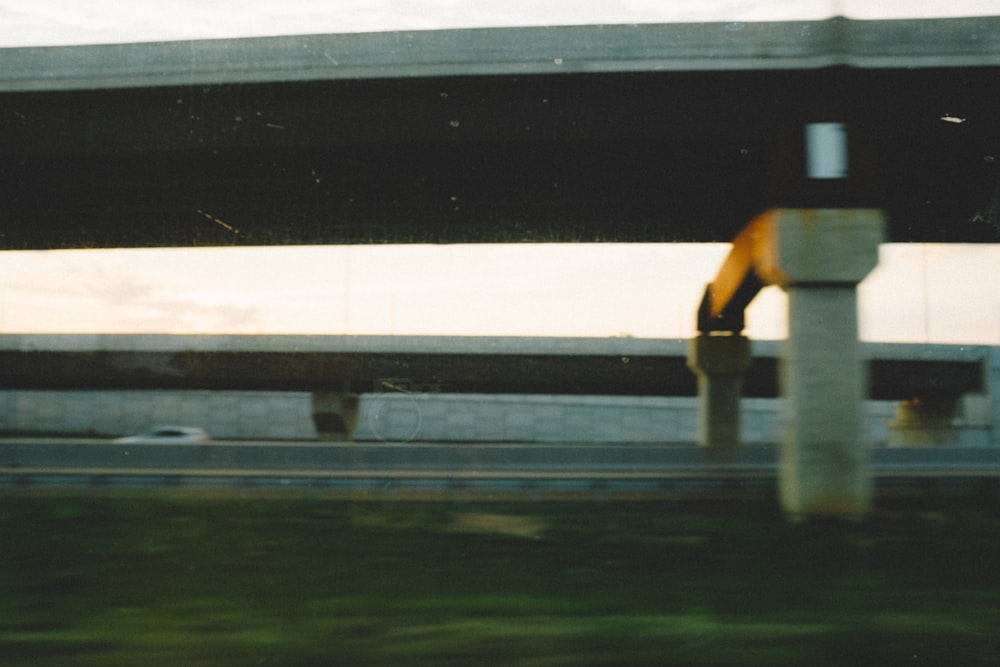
170,579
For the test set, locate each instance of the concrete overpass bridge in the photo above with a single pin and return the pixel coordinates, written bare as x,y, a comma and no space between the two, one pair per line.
830,135
336,370
453,364
679,132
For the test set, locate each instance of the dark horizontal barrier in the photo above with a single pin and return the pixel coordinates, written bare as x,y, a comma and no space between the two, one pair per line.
508,372
731,484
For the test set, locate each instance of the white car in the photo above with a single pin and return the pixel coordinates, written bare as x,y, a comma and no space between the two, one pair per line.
184,435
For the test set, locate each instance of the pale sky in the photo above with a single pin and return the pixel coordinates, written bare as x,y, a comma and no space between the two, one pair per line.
938,293
918,294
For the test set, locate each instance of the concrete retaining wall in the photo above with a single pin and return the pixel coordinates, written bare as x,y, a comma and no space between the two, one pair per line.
224,414
391,417
536,418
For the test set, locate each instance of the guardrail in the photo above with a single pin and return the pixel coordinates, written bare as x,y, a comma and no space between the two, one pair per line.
733,483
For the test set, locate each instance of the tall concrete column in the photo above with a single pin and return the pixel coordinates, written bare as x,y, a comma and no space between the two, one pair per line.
818,257
823,450
719,361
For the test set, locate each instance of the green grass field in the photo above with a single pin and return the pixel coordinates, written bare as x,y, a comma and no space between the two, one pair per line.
129,578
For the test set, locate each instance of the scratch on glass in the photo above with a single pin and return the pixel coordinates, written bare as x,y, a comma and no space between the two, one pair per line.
222,224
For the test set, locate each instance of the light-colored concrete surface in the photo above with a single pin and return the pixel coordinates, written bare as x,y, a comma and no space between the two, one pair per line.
395,416
818,258
287,414
498,345
719,361
518,51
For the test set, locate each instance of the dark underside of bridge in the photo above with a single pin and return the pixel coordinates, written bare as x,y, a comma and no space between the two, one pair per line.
591,157
445,372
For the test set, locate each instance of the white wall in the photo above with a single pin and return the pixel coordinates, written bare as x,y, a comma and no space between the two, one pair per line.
391,417
559,418
261,414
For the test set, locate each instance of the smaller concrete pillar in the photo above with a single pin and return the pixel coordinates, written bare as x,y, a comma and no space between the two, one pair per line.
335,414
719,361
924,423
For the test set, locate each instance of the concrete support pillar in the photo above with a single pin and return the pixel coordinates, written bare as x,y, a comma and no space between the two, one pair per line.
719,361
335,414
818,257
824,454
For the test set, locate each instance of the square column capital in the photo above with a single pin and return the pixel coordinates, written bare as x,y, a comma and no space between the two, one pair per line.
718,355
819,246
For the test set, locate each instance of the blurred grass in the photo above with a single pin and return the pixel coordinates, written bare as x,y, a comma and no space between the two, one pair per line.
127,578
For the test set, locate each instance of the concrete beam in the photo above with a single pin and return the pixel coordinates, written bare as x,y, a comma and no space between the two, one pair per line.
837,41
624,366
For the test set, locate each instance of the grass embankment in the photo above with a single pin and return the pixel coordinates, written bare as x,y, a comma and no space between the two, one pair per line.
131,579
